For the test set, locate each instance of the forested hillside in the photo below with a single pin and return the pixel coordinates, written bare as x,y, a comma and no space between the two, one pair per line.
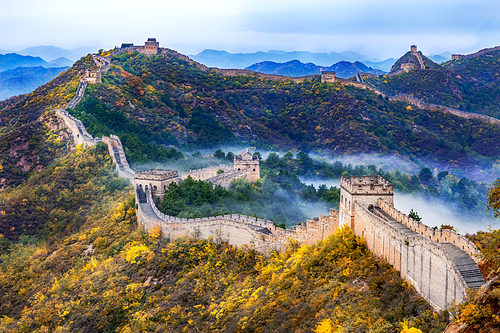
30,134
163,100
469,84
72,257
85,266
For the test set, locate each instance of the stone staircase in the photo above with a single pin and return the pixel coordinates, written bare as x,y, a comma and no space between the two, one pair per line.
465,264
419,58
117,155
141,195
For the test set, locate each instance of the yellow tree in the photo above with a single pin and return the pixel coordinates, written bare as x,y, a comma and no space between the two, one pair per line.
494,198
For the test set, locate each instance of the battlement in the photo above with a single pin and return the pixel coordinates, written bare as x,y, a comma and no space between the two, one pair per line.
366,185
413,49
156,174
436,235
327,76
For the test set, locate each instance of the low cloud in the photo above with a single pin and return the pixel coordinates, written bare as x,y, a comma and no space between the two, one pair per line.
437,212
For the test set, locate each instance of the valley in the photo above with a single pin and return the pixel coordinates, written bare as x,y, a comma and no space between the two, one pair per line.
161,104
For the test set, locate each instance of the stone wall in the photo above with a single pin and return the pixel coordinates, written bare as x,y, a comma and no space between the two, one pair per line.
117,153
273,77
225,179
419,260
236,229
80,91
205,173
78,131
438,236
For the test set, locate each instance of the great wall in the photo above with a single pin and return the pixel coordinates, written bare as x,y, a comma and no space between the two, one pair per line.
440,264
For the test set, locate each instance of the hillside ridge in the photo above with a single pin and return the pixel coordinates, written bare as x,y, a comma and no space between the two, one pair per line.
266,237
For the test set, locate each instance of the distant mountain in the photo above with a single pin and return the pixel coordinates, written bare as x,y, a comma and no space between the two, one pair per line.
223,59
382,65
440,58
50,53
61,62
13,60
344,69
22,80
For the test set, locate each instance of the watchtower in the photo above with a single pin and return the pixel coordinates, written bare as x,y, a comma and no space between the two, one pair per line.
365,190
328,76
151,46
247,160
413,49
156,181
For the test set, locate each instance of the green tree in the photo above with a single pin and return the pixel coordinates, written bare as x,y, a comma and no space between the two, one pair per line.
414,215
425,175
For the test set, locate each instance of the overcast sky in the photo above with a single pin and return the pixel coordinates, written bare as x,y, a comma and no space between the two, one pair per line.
381,29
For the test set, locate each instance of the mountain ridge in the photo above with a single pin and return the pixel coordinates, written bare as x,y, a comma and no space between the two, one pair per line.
22,80
224,59
295,68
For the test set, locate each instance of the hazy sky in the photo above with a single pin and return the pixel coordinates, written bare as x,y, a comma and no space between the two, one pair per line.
383,28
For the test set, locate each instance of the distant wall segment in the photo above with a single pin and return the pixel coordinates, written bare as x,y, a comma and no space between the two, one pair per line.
440,264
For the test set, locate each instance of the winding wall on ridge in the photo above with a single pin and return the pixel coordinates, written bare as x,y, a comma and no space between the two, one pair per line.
421,254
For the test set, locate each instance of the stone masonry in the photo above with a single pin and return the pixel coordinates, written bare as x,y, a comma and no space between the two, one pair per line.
440,264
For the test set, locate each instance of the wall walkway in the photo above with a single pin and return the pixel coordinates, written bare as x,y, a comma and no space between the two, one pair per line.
440,264
423,105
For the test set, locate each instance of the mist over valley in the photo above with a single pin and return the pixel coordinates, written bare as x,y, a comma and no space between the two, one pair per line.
302,189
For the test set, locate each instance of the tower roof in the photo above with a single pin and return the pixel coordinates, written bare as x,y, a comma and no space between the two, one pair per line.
366,185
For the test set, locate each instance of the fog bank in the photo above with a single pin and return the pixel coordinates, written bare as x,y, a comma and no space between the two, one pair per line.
436,212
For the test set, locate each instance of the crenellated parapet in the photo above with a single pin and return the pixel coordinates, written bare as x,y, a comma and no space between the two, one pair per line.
235,229
206,173
367,185
77,129
440,264
436,235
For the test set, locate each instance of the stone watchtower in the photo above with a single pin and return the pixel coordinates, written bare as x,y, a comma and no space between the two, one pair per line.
365,190
328,76
156,181
413,49
247,160
151,46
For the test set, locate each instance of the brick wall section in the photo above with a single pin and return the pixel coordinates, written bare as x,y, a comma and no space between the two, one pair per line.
438,236
236,229
418,259
205,173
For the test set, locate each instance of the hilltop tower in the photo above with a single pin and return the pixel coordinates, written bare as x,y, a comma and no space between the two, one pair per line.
365,190
413,49
328,76
151,46
247,160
